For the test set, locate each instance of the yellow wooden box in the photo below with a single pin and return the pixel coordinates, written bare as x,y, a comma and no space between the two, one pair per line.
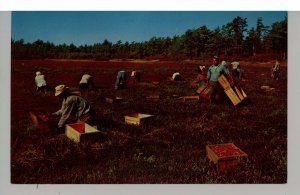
201,88
81,131
232,96
137,118
114,99
223,82
193,97
239,93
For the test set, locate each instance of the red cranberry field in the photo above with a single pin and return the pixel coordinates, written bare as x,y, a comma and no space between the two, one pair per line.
171,149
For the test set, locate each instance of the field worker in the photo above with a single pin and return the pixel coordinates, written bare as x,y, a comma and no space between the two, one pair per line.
135,76
276,70
200,77
236,71
213,73
176,76
121,80
86,82
40,81
72,106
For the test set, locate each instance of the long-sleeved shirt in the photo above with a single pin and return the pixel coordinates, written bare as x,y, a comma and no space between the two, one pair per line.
214,72
40,81
72,105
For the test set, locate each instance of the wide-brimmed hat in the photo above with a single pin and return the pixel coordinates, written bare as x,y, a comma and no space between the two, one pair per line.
38,73
59,89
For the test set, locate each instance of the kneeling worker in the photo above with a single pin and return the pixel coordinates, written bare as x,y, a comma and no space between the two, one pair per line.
72,105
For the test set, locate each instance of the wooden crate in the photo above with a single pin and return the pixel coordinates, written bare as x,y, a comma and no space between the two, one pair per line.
153,97
41,121
232,96
193,97
201,88
137,118
113,100
224,82
81,131
225,155
265,87
206,93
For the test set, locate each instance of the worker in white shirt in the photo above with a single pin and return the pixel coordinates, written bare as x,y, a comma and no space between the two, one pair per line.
86,82
41,83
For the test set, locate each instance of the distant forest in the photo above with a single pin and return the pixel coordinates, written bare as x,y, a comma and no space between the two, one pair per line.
231,40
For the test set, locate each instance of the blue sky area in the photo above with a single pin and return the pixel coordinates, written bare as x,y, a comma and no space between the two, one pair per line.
87,27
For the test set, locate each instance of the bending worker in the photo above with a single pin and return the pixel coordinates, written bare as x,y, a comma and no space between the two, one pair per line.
72,105
40,81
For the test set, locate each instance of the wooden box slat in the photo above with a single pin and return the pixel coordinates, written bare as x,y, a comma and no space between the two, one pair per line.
239,93
232,96
224,82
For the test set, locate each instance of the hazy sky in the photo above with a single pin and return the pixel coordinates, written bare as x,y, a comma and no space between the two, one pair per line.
87,27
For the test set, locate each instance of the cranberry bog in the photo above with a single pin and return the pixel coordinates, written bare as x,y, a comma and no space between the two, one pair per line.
169,150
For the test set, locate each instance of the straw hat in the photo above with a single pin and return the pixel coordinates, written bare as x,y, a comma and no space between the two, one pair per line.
59,89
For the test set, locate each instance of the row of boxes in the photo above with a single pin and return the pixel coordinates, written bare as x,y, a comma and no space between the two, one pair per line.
83,131
223,155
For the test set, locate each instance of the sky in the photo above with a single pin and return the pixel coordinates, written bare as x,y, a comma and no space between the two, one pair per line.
88,27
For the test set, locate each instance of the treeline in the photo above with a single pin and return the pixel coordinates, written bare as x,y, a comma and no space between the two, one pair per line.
232,39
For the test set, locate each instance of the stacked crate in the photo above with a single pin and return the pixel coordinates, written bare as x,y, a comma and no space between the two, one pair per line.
235,94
